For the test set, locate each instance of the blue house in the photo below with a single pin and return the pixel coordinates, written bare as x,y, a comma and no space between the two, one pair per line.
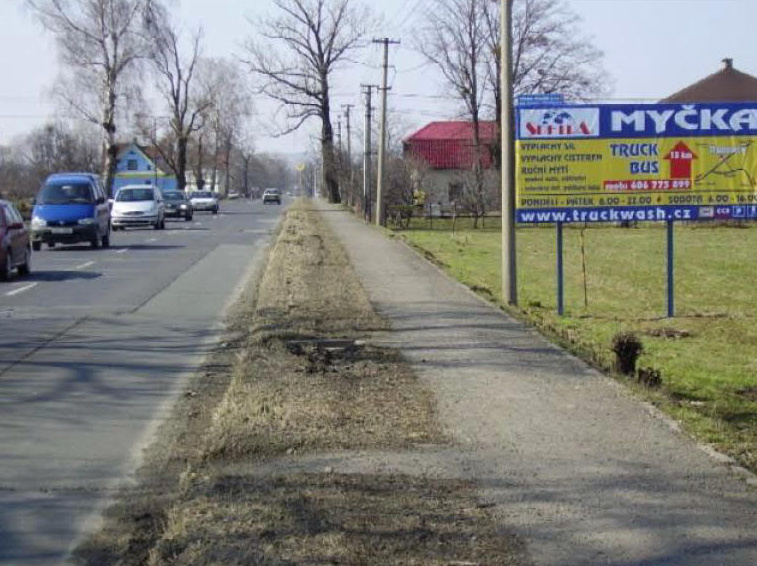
139,165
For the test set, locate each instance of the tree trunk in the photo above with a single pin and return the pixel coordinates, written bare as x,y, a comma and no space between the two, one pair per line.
110,149
199,178
330,183
181,163
246,161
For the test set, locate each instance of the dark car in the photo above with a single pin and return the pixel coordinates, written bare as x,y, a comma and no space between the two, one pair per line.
272,195
15,243
178,205
71,208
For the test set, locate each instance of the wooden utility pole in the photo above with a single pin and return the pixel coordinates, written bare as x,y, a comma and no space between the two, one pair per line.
347,109
367,160
380,220
350,177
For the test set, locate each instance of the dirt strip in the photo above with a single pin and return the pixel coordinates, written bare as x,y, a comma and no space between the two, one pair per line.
299,378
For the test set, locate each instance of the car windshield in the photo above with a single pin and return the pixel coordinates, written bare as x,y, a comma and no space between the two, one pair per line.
66,193
174,196
134,195
202,194
272,191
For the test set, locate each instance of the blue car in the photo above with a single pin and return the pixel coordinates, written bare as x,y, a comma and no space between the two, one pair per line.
71,208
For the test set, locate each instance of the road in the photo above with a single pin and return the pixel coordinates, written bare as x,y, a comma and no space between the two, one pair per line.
94,347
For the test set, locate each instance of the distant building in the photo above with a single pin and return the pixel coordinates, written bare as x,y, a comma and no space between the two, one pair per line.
447,152
726,85
213,178
139,165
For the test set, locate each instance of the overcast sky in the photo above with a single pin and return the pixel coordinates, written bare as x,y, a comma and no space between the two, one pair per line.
652,49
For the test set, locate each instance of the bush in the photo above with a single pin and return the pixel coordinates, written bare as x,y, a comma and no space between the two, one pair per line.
627,348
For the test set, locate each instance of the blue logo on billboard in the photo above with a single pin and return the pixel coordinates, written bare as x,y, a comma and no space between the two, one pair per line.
557,117
739,211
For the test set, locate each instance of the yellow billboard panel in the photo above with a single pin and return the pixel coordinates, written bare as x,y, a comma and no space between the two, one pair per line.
636,172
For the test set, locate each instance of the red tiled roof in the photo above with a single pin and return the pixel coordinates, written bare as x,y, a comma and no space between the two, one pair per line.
449,145
454,131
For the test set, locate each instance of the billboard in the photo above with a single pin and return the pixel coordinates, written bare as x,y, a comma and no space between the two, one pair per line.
611,163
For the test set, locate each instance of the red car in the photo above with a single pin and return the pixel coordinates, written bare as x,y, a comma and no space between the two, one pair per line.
15,244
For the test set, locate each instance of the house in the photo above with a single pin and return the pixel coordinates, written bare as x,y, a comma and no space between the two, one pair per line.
726,85
447,154
140,165
213,179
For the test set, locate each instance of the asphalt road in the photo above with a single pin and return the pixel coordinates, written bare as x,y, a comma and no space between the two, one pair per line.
94,347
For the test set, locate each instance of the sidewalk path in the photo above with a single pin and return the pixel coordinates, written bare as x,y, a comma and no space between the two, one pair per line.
583,472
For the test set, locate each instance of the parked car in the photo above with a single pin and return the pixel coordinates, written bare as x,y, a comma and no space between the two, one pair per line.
178,205
15,242
204,200
71,208
272,195
138,205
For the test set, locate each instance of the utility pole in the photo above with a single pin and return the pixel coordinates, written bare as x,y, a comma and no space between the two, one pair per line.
347,109
339,134
509,256
382,133
367,160
339,176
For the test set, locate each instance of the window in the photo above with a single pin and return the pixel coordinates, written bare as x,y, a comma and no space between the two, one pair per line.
132,165
15,215
455,192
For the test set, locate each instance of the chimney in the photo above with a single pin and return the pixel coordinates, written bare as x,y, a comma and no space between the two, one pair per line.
728,63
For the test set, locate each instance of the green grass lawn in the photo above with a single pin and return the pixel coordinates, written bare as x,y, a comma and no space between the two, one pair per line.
708,366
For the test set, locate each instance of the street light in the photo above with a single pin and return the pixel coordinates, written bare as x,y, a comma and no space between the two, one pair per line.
509,256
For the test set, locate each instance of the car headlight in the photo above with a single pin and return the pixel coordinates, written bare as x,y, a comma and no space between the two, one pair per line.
37,222
86,221
183,206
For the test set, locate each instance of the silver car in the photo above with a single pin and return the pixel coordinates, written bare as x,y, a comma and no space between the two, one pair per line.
204,200
138,205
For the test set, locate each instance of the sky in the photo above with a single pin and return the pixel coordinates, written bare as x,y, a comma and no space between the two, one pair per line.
652,48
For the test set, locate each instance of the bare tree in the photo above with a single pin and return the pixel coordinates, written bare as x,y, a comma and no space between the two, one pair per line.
222,84
306,42
53,147
454,40
175,70
462,38
242,163
98,41
550,54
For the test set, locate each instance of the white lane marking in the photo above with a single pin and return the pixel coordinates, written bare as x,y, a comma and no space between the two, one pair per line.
84,266
152,240
21,289
123,251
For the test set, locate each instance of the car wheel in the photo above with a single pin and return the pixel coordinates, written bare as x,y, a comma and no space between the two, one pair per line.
188,217
26,267
36,246
51,245
5,269
106,239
